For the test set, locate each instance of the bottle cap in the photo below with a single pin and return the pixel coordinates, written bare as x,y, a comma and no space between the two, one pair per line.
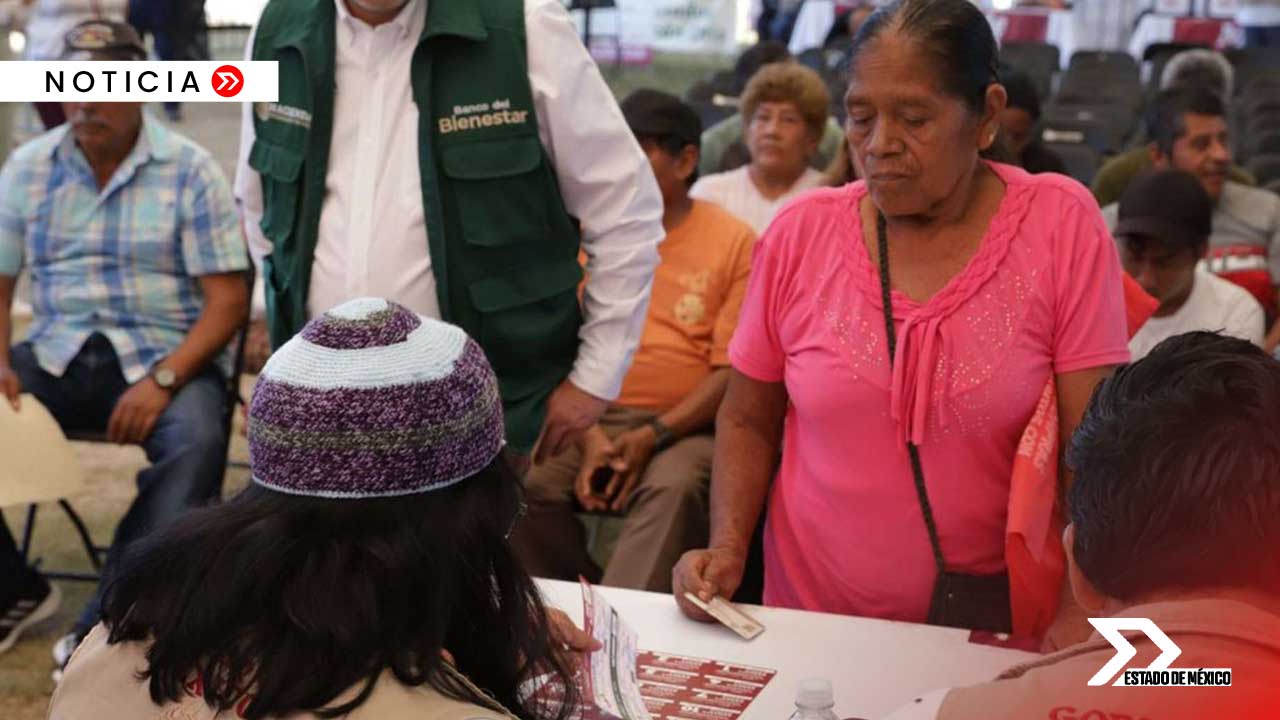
815,694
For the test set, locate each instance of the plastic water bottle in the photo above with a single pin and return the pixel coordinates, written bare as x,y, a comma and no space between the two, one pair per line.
815,700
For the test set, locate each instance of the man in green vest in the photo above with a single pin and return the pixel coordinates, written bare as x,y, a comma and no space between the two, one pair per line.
455,156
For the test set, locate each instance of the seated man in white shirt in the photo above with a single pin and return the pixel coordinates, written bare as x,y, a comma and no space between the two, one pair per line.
1163,227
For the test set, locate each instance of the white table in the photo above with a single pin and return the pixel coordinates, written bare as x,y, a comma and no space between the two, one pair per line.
874,665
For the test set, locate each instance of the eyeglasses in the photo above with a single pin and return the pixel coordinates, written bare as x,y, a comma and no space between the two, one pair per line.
520,513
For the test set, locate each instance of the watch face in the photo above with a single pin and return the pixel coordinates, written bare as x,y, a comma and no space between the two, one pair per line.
165,378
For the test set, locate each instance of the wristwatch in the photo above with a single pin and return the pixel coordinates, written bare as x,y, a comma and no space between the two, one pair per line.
166,378
663,433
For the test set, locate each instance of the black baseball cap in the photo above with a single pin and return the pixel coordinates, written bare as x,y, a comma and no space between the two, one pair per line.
652,113
1169,206
103,40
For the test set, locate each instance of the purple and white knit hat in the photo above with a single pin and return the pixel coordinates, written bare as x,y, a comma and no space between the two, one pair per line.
370,400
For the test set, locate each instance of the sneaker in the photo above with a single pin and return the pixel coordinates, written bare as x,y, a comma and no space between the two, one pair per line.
36,601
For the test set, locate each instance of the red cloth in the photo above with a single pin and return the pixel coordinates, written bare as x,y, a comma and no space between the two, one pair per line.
1025,27
1199,31
1033,539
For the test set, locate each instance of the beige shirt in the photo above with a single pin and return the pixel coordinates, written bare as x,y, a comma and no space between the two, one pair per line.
1211,634
101,683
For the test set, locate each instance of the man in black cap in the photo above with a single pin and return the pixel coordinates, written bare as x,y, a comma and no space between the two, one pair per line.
130,234
650,456
1164,222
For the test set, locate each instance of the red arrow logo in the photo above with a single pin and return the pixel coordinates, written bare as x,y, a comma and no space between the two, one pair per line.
228,81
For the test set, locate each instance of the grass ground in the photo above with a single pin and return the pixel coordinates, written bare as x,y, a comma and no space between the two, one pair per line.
25,684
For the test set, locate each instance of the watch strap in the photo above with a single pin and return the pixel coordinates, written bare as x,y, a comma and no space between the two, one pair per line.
663,433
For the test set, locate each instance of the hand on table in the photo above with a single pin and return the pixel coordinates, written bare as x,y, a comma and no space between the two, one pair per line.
136,412
570,412
707,573
11,386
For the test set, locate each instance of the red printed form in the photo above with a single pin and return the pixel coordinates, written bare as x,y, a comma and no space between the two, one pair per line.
623,683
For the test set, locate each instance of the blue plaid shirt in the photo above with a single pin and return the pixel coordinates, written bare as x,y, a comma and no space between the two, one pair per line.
122,261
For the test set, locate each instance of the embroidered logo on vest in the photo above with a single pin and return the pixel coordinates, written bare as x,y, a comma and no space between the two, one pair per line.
283,113
482,115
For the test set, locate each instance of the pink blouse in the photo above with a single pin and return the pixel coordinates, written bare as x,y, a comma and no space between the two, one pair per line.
1041,296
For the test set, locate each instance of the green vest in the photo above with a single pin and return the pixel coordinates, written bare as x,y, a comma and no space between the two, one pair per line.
503,247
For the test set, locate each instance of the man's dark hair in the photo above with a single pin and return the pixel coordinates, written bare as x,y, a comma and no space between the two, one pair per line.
756,57
1167,116
1177,472
673,146
299,599
954,32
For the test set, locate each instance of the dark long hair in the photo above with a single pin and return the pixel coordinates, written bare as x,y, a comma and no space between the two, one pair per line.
292,601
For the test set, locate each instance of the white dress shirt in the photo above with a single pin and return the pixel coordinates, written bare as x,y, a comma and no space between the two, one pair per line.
373,238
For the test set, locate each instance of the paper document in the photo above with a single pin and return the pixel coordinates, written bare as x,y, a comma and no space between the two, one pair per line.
611,672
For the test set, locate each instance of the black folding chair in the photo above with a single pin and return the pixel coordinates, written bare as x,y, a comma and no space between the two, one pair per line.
1081,160
1266,168
1103,128
1112,60
97,553
1040,61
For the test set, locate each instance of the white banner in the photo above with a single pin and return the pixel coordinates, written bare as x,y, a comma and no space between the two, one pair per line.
139,81
693,26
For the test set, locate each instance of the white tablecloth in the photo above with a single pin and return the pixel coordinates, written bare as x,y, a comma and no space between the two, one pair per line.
874,665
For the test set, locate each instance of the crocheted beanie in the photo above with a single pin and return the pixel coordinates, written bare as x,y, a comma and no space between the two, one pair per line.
370,400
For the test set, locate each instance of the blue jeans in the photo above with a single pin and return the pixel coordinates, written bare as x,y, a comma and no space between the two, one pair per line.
1262,36
187,448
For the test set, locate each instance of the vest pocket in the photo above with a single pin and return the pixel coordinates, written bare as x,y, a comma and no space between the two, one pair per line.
279,168
502,196
529,324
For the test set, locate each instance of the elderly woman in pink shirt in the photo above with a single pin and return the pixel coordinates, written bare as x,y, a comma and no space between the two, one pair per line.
895,340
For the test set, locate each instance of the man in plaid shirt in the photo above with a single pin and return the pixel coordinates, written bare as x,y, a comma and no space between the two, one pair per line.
129,234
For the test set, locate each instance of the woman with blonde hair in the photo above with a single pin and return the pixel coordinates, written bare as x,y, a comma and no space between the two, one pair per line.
785,109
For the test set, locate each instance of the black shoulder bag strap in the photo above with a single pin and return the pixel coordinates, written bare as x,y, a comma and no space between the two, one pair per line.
959,600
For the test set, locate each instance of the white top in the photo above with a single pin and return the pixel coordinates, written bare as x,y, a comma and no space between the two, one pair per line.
735,192
875,666
50,21
373,237
1215,304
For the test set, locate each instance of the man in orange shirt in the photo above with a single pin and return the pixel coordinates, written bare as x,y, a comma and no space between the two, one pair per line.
650,456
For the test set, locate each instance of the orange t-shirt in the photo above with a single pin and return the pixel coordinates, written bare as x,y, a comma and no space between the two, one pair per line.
698,290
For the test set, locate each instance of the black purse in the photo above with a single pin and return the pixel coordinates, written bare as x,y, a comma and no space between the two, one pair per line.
975,602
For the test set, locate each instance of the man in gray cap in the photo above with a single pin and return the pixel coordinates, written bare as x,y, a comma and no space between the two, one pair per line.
130,236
